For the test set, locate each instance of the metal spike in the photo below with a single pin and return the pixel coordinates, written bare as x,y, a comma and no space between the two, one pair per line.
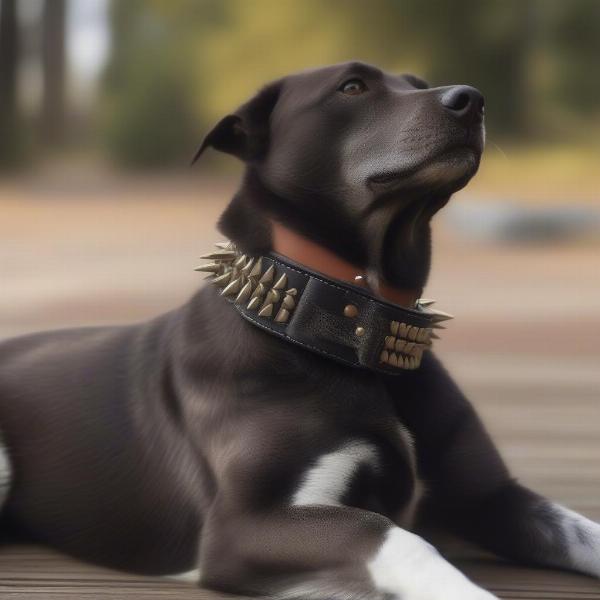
288,302
274,295
439,315
254,302
256,269
268,275
400,345
384,356
437,326
247,267
225,255
280,283
258,291
266,311
240,262
244,293
232,288
211,267
434,336
227,245
292,292
282,316
425,302
222,280
439,318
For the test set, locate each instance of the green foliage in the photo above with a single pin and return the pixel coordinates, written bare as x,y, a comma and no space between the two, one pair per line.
178,65
152,123
148,117
576,43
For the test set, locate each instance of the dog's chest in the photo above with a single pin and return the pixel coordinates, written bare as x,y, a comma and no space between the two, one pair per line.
380,476
323,436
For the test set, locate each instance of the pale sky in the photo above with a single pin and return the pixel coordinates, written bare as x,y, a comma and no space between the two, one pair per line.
87,46
87,38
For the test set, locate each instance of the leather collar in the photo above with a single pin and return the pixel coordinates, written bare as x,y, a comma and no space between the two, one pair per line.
330,317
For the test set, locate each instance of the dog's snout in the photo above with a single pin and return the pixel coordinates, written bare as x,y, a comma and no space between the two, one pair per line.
463,101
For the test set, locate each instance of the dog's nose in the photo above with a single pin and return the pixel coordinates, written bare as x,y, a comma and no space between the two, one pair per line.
463,101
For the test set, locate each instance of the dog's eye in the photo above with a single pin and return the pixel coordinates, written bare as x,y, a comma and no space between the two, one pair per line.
353,87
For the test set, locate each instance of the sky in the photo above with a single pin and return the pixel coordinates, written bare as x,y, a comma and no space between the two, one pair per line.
87,47
88,40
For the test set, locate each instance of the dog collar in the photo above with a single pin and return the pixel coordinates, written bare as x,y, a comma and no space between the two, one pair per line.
326,316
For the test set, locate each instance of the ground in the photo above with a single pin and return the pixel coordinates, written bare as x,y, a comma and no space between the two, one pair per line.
81,250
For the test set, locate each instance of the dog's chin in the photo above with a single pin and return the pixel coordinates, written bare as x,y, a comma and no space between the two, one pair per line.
443,174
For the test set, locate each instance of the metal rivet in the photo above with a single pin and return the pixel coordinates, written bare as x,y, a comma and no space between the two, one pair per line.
350,310
359,331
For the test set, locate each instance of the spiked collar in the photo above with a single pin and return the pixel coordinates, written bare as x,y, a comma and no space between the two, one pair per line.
330,317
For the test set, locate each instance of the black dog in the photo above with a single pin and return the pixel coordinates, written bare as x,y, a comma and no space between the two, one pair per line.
274,431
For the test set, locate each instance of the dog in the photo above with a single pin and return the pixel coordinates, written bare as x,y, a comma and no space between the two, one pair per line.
287,432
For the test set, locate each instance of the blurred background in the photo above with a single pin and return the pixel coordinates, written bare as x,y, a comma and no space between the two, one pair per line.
102,105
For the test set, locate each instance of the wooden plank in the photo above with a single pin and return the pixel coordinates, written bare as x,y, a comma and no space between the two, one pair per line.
35,572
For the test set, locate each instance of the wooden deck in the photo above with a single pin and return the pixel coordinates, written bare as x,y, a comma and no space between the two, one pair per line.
32,572
524,347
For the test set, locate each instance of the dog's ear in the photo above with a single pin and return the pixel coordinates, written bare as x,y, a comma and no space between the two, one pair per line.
245,133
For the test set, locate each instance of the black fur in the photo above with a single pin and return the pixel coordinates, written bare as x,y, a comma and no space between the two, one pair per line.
180,441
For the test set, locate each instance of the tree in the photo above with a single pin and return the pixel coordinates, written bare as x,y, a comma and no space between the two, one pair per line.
575,37
53,57
10,144
149,119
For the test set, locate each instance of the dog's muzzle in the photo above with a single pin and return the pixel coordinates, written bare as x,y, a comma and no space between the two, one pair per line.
327,316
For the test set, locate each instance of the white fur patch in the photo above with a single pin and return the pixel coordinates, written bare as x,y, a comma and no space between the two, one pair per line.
5,473
582,539
326,482
411,569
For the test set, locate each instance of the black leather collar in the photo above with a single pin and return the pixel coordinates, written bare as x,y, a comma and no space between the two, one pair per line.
327,316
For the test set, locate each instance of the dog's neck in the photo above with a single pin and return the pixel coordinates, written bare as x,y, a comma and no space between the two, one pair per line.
310,233
304,251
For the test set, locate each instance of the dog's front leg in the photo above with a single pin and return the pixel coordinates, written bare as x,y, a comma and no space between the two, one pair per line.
471,489
319,551
522,525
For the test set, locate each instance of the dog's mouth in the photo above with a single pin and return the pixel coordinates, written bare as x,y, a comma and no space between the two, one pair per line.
445,168
448,168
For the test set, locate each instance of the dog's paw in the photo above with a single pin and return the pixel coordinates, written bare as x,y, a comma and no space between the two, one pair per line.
411,569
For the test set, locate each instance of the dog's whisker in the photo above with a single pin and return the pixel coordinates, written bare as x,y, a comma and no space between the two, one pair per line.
504,155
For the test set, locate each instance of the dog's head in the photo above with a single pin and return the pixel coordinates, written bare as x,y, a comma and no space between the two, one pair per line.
347,153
